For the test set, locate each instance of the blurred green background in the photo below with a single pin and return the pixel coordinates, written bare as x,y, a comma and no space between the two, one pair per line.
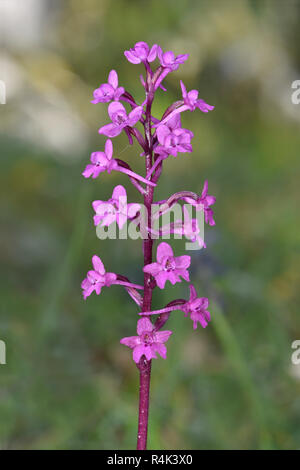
68,383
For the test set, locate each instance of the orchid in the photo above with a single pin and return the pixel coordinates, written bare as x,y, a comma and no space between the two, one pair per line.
148,342
108,91
97,278
159,139
120,119
174,141
196,307
190,229
192,102
203,203
103,161
141,52
169,61
115,209
168,267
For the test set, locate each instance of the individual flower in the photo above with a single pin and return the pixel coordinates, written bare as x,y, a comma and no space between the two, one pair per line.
141,52
115,209
148,342
101,161
168,267
196,307
120,119
174,141
168,59
172,124
189,228
203,203
108,91
97,278
192,102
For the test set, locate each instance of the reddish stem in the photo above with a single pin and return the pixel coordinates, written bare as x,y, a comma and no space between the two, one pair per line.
144,366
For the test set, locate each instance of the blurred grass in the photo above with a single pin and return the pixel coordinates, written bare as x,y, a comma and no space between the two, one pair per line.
68,383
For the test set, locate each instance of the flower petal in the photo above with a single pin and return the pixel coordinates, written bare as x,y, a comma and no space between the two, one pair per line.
98,265
119,192
161,279
168,58
96,204
110,278
113,79
193,292
118,93
134,116
115,107
132,57
183,262
163,249
138,351
110,130
89,169
109,149
152,54
133,209
121,220
144,325
152,268
162,133
161,349
183,89
205,187
163,336
131,341
149,352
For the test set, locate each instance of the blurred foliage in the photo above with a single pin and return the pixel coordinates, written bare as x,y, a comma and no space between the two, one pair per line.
68,383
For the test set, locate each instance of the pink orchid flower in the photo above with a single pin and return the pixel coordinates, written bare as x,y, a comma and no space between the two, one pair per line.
103,161
190,229
169,63
141,52
97,278
196,307
203,203
161,151
168,267
115,209
192,102
108,91
120,119
148,342
174,141
168,59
